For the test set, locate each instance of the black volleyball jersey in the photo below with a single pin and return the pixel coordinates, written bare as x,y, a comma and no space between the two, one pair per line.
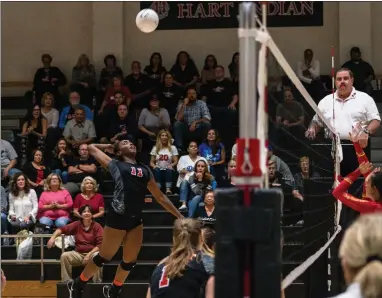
130,186
195,276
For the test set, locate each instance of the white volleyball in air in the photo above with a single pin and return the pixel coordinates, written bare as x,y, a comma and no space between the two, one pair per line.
147,20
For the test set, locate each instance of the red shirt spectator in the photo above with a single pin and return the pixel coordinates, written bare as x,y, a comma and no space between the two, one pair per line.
96,202
85,240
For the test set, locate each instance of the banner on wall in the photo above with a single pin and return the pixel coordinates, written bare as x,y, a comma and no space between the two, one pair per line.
212,15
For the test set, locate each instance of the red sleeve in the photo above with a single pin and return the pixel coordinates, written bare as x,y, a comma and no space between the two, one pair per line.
101,201
361,156
70,229
76,204
108,94
341,194
98,231
127,92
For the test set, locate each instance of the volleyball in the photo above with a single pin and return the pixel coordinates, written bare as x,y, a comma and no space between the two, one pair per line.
147,20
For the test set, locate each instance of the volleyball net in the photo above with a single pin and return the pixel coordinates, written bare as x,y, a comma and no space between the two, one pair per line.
250,55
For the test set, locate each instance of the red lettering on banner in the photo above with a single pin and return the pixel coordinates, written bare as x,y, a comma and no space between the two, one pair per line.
213,8
288,8
185,8
199,10
226,9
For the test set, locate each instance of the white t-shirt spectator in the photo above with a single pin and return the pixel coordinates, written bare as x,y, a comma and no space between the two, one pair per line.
164,156
185,162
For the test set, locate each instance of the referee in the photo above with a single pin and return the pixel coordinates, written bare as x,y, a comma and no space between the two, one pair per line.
351,107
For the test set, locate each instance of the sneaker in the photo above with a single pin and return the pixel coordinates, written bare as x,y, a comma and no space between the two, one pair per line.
111,292
183,208
74,292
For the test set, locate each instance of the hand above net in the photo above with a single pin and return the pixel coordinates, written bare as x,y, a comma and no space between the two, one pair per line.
366,167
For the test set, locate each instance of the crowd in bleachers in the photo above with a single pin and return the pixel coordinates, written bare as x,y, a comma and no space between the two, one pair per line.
184,123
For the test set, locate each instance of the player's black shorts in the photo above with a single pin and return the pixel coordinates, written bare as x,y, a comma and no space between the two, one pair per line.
122,222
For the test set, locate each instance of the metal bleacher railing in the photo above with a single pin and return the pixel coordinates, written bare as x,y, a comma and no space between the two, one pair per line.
40,261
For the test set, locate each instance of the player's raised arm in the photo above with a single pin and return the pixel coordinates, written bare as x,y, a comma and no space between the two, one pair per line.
97,151
210,287
162,199
148,295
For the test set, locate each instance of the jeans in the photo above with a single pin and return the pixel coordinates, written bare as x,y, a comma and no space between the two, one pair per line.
183,135
59,222
193,205
165,175
4,223
11,172
184,191
63,174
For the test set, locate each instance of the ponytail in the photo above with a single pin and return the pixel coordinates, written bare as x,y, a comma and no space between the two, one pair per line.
370,279
186,239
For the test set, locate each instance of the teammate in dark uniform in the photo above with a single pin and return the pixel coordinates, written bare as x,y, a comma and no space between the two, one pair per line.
124,217
187,269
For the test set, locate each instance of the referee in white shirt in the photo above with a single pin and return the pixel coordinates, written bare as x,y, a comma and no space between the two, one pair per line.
350,107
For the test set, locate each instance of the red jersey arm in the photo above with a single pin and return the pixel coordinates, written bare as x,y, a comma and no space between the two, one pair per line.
70,229
361,156
341,194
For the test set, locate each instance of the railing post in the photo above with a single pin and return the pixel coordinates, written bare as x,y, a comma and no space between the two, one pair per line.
42,278
62,251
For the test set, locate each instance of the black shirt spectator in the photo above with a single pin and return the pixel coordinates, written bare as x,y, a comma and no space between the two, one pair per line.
184,70
170,94
110,71
139,85
219,93
155,70
363,72
78,173
122,123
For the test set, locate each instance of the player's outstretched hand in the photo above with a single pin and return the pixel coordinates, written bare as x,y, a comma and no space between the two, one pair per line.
365,167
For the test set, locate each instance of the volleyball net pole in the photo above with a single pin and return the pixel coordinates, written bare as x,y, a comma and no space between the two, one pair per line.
248,216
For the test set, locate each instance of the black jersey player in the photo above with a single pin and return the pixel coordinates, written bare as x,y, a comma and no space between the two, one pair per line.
124,217
187,269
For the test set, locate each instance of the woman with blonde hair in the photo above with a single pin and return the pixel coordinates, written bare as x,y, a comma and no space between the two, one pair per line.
55,203
89,196
187,266
361,257
164,158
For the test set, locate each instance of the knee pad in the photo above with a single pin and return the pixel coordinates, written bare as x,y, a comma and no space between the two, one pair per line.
99,261
127,266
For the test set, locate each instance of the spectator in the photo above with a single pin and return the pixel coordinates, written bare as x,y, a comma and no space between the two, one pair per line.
187,162
121,125
214,152
233,67
34,131
111,99
164,158
48,79
139,85
60,161
48,111
151,121
206,214
79,130
170,94
192,119
290,122
89,197
84,78
8,160
200,182
79,168
221,98
36,172
88,238
55,203
110,71
4,211
363,72
184,71
281,167
309,74
208,71
231,170
155,69
67,112
23,204
305,173
233,152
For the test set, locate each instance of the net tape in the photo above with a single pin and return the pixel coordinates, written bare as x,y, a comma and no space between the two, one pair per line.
263,37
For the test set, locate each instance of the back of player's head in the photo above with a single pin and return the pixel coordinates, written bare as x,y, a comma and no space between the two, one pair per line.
376,181
208,240
361,254
186,239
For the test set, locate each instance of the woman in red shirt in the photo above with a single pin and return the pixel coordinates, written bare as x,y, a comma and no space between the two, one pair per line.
372,200
89,196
